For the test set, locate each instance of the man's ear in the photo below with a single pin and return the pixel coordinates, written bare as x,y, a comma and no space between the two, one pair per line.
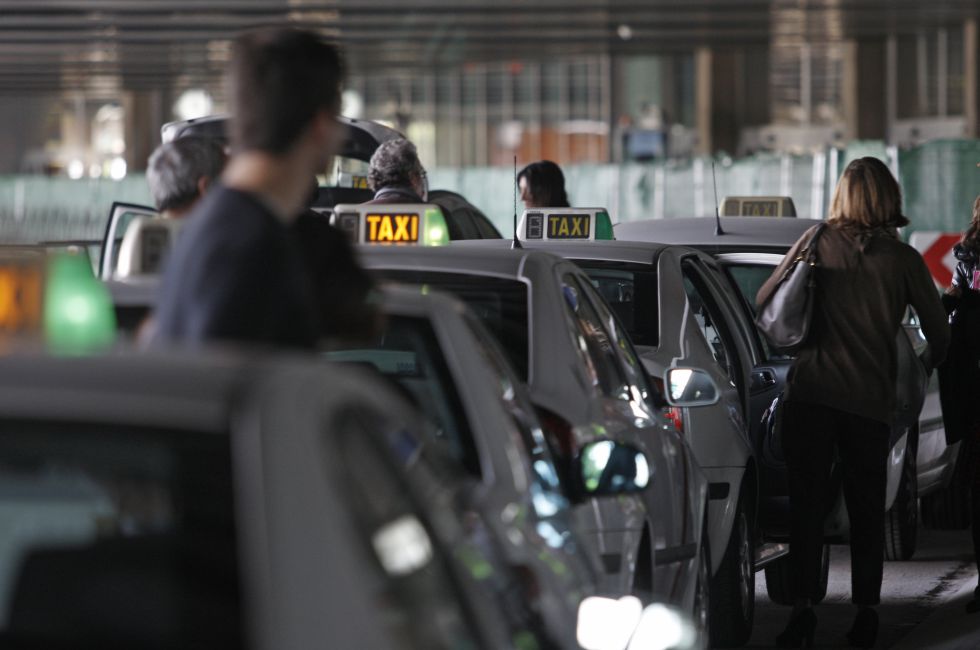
203,183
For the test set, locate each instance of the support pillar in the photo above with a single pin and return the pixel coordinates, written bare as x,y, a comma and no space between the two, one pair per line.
865,89
144,114
718,99
971,78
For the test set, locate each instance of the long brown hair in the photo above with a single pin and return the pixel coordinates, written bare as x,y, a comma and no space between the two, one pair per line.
867,198
971,239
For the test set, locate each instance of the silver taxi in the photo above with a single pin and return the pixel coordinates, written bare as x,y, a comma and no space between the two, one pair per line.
451,367
585,380
921,463
673,302
233,501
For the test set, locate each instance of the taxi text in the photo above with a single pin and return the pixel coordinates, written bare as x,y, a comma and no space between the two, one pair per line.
392,228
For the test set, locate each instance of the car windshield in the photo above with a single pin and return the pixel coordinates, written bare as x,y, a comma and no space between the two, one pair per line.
630,290
104,536
501,304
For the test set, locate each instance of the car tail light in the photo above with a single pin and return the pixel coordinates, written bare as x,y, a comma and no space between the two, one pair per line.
673,413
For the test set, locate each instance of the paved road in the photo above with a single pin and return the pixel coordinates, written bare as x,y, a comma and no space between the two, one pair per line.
922,600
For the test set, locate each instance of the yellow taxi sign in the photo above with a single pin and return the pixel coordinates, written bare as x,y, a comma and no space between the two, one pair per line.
399,224
565,224
758,206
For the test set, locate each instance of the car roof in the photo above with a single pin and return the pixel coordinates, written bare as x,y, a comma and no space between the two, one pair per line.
471,257
637,252
740,232
183,389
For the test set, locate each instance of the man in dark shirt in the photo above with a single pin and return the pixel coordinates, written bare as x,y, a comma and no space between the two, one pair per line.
236,273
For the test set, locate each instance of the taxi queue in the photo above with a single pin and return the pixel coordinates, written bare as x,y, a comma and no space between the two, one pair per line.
557,440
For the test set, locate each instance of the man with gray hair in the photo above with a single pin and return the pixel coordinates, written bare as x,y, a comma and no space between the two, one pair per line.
396,174
180,171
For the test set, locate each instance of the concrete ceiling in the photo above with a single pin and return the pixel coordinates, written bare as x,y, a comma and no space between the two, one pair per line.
49,45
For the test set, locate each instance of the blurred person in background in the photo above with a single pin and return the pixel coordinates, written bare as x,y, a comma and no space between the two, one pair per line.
959,375
542,185
237,273
181,171
396,174
840,392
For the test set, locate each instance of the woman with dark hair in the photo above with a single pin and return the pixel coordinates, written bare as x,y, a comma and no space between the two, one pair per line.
840,392
542,185
960,374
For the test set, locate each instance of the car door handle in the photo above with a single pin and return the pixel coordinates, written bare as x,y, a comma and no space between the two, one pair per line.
763,380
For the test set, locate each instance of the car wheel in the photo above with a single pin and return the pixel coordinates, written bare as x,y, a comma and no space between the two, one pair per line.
702,593
779,579
949,508
902,519
733,587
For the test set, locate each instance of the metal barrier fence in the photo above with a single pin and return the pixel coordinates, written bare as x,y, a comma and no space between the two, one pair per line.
940,180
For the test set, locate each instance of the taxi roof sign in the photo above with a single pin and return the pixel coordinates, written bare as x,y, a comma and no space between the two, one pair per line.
565,224
54,295
412,224
757,206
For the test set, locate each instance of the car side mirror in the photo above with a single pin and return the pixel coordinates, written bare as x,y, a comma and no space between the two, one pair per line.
608,468
690,387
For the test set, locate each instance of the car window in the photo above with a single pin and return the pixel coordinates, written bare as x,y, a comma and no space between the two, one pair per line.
500,304
629,360
631,293
94,516
408,354
711,323
547,497
595,344
749,278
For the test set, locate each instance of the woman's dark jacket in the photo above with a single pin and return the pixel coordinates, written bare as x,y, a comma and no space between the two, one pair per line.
959,376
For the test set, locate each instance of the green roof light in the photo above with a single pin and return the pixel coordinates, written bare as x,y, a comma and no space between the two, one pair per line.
78,313
603,226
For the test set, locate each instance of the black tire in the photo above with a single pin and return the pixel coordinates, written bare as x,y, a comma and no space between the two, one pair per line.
701,614
902,519
779,580
950,507
733,586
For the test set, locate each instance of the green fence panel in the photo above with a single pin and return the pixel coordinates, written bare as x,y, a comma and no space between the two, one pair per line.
940,180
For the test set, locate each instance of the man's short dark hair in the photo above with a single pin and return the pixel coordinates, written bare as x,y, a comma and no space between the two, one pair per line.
394,164
278,80
174,169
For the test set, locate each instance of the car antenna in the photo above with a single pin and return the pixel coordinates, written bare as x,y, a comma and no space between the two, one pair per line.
516,243
714,182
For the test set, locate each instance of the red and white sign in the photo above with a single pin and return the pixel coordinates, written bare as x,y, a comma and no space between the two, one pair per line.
937,251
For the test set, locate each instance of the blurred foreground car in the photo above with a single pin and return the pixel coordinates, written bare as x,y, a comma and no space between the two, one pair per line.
586,383
229,501
920,462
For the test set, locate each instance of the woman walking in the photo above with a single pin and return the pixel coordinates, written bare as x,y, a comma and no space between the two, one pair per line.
840,395
960,374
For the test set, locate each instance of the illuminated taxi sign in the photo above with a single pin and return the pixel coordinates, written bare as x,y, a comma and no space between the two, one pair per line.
54,295
399,224
565,224
758,206
21,291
